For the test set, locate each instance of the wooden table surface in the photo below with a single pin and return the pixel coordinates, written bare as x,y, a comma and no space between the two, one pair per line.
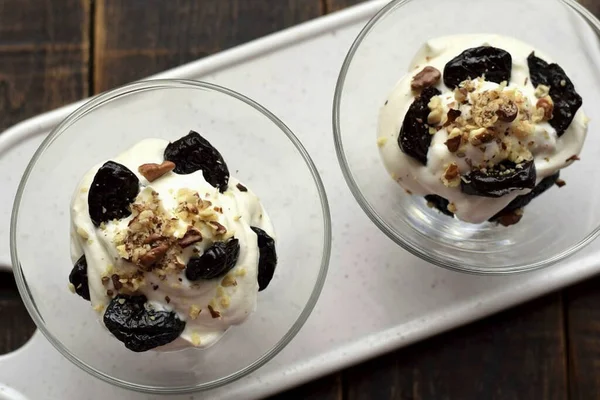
55,52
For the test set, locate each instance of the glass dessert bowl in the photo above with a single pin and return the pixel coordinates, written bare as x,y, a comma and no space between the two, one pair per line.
104,141
390,175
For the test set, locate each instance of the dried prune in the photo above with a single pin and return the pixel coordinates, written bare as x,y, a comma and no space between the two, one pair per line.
113,190
216,261
523,200
440,203
267,260
562,91
138,326
499,180
494,63
193,153
414,138
79,278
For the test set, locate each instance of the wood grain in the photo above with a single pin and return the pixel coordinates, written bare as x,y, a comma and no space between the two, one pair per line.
336,5
44,52
136,38
43,56
518,354
328,388
16,327
583,330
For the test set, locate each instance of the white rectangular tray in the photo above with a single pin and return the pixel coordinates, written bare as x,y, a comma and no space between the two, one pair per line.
395,299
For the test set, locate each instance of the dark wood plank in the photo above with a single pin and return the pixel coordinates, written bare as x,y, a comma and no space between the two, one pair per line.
592,5
328,388
44,52
336,5
136,38
583,331
43,56
518,354
16,327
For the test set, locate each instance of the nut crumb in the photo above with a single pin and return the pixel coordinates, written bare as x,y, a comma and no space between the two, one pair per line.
560,183
71,287
228,280
480,136
225,302
100,307
154,171
194,311
574,157
214,313
454,140
241,187
510,218
427,77
381,141
196,341
452,208
451,177
547,105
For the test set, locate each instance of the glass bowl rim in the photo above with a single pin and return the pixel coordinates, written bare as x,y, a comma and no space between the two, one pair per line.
373,214
162,84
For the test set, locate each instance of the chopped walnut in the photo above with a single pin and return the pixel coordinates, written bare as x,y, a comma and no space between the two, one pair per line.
451,207
480,136
428,76
507,111
510,218
560,183
541,91
451,177
196,340
228,280
461,95
154,171
194,311
437,111
454,140
213,313
547,105
191,237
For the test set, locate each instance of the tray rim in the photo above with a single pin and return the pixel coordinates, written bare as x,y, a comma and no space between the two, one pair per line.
351,352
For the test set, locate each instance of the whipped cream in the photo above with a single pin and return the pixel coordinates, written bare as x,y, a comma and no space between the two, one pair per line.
233,297
550,152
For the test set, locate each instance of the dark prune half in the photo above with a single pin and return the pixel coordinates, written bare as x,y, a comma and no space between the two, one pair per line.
216,261
79,278
499,180
523,200
267,260
414,138
562,91
138,326
440,203
113,190
193,153
494,63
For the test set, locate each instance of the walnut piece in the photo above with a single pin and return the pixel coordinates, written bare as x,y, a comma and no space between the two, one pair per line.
191,237
451,177
480,136
508,111
155,254
429,76
153,171
546,104
454,140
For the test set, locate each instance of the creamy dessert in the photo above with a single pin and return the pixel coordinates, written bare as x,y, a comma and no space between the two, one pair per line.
480,126
170,250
